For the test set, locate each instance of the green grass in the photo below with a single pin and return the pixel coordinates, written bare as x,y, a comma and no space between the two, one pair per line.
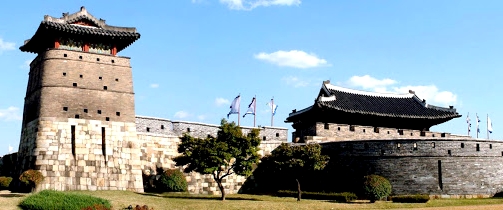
122,199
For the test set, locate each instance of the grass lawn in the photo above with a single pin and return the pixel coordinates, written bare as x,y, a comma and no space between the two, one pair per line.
122,199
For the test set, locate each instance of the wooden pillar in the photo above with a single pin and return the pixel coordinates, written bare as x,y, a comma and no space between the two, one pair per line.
114,50
86,47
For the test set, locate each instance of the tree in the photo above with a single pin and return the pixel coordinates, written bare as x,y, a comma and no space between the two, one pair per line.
376,187
297,161
229,153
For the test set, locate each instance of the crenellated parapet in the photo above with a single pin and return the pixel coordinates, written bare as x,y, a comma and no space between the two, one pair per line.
152,125
321,132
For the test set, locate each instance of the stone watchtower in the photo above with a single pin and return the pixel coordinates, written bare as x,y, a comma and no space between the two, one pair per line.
79,121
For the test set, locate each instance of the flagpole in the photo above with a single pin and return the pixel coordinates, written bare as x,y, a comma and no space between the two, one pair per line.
272,112
239,111
487,126
478,129
468,122
255,110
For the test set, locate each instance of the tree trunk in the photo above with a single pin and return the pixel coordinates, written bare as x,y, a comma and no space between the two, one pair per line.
222,190
298,190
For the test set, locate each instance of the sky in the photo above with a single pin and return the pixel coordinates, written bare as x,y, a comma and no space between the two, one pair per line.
195,56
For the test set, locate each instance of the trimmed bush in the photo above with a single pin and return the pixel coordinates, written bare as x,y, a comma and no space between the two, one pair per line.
5,182
172,180
339,197
31,177
376,187
50,199
410,198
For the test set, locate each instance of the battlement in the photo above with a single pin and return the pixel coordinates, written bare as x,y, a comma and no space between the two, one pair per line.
320,132
161,126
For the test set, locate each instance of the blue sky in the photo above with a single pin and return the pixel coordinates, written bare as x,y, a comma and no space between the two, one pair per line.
195,56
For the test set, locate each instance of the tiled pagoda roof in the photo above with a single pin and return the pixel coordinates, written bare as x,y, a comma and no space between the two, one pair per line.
349,102
80,24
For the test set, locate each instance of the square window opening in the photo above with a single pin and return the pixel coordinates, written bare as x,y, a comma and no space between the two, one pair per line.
65,108
97,59
162,127
118,113
86,111
490,146
99,111
74,84
113,61
116,79
107,118
64,73
65,55
148,129
105,88
77,116
81,76
100,78
188,129
80,57
326,126
277,134
462,145
264,138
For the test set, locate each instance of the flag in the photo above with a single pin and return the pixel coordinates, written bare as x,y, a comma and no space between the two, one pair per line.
489,125
10,148
468,121
272,106
478,120
251,108
234,106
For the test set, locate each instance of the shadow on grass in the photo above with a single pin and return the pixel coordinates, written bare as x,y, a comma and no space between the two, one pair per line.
12,195
198,197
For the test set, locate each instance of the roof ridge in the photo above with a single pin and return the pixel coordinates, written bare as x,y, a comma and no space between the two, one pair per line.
83,14
368,93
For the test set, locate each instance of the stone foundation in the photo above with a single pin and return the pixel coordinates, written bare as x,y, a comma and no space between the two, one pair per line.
80,161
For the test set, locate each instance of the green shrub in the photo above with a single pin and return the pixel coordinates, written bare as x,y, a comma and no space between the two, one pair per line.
410,198
31,177
339,197
50,199
376,187
5,182
172,180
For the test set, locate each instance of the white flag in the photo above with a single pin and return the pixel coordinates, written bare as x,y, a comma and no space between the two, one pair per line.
10,148
272,106
251,107
489,125
235,106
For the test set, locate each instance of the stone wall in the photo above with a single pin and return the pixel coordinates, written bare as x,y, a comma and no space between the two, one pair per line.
158,151
321,132
83,157
200,130
448,167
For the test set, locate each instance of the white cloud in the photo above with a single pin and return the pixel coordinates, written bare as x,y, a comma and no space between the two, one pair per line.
154,85
252,4
11,113
4,46
368,82
430,93
26,65
182,114
295,81
221,101
292,58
